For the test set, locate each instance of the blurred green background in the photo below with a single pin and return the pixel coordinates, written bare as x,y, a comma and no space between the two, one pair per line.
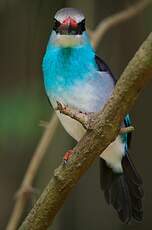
25,26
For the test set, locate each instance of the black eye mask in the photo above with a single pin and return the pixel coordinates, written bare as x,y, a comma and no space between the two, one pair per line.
69,30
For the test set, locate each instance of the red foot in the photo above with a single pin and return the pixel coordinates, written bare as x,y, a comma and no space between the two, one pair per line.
67,155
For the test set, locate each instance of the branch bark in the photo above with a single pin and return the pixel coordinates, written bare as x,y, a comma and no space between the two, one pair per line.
105,129
85,118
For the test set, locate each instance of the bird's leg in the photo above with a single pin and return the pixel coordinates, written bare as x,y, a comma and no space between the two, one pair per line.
67,155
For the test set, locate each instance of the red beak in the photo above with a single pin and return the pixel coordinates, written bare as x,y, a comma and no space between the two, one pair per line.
69,22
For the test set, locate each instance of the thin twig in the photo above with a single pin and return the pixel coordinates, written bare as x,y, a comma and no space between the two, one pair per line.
84,118
116,19
136,76
44,124
128,129
81,117
25,190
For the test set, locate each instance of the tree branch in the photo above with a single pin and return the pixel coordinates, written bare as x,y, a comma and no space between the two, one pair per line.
96,37
25,189
116,19
84,118
128,129
105,129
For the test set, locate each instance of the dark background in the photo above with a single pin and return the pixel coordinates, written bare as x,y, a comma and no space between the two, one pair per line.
24,29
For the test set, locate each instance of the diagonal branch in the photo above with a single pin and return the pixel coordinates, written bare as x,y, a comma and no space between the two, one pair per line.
84,118
25,190
105,129
116,19
81,117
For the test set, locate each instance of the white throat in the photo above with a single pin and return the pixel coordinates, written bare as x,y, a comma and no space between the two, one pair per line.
66,40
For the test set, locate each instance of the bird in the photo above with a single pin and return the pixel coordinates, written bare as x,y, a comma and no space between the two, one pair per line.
75,76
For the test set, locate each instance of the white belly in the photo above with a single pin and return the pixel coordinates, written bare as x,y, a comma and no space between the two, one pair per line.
90,97
87,96
112,154
73,127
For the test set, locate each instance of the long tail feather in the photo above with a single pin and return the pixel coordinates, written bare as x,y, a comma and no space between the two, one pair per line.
123,191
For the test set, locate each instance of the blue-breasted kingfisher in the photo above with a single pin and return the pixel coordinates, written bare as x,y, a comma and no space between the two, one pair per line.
75,76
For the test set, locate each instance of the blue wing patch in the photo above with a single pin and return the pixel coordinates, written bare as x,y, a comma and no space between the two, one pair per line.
127,136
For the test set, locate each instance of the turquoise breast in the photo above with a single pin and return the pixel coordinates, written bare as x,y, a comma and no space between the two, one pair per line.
65,67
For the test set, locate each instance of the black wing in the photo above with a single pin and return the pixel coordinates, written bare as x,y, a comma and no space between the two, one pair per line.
104,67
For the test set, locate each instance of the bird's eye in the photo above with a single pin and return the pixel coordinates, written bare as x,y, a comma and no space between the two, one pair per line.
56,24
81,26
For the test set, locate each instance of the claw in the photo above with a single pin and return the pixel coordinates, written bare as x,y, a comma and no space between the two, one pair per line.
67,155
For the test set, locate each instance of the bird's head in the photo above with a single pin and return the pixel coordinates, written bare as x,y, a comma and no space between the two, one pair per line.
68,28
